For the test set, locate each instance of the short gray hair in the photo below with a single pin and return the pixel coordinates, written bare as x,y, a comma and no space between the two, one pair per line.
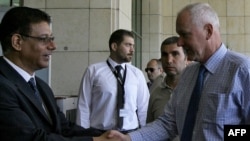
202,13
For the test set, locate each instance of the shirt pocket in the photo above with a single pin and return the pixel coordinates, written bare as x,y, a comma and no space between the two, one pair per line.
220,109
131,92
101,86
214,113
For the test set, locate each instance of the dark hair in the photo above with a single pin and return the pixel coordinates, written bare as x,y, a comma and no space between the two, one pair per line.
172,40
19,20
117,36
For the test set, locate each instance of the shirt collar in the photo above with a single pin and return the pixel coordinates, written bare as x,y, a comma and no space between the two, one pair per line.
214,60
113,63
163,84
23,73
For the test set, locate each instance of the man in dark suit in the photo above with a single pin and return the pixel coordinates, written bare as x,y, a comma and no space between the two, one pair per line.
28,111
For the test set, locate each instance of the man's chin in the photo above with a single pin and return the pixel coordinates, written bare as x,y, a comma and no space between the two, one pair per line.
191,58
128,59
170,73
43,65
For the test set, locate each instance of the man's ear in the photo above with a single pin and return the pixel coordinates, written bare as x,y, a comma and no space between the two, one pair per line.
161,69
114,46
16,41
209,31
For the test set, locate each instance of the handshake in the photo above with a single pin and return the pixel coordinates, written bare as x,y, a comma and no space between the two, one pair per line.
112,135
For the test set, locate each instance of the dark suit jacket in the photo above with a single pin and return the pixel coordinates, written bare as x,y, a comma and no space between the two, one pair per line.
22,118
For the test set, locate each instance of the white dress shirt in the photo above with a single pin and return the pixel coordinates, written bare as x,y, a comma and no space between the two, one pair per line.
98,97
23,73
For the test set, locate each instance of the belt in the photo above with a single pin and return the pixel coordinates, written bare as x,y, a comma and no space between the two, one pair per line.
128,131
98,132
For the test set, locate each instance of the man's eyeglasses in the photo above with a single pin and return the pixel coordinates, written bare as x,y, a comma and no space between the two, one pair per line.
149,69
45,40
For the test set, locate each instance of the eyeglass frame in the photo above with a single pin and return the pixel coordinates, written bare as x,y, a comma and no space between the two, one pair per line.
45,40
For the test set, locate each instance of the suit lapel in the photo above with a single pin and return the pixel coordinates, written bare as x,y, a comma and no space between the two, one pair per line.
21,85
29,94
48,97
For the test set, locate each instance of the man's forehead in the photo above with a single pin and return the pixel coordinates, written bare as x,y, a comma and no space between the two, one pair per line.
152,62
172,47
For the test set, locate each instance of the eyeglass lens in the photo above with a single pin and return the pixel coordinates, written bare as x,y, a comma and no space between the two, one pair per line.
45,40
149,69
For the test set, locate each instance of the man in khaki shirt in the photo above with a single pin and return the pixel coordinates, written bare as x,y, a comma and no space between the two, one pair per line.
174,60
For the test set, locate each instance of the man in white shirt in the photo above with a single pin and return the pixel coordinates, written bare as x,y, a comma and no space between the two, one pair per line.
97,105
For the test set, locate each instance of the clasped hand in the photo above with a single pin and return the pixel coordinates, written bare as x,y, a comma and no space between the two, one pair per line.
112,135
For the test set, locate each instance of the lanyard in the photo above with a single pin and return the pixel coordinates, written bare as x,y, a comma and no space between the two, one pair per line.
122,82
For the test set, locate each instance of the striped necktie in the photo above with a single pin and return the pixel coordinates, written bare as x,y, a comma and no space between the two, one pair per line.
34,88
120,95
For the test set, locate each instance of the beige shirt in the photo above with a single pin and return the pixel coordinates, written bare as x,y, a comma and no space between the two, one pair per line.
158,99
